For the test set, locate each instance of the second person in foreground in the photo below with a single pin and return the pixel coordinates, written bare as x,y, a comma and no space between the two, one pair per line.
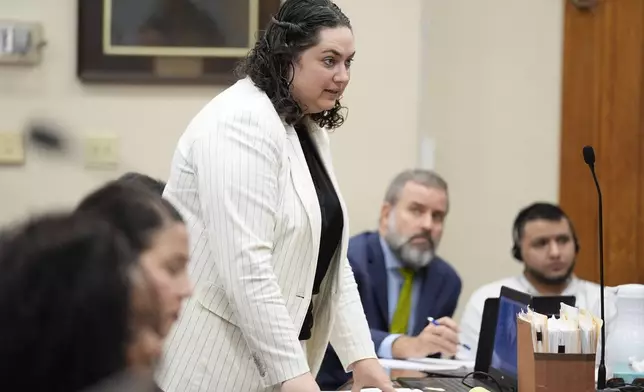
253,177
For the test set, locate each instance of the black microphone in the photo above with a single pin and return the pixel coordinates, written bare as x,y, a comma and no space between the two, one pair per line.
589,158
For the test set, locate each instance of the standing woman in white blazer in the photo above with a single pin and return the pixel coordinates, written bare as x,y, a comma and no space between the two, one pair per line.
252,176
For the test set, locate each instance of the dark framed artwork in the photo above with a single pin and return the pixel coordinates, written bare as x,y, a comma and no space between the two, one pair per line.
167,41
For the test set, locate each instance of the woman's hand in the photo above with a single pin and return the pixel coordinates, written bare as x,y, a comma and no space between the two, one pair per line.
367,373
303,383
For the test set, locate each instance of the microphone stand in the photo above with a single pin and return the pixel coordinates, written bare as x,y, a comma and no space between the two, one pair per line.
589,158
601,373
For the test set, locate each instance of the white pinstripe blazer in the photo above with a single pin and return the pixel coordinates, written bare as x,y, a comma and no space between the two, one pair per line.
241,181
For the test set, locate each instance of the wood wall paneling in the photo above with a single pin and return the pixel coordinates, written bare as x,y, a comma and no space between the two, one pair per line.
602,106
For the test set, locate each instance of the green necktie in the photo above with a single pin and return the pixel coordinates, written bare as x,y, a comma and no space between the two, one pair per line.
403,308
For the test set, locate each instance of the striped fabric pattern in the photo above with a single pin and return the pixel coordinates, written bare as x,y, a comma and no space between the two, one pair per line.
240,179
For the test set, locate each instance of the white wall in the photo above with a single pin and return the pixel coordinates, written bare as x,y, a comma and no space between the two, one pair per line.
480,77
150,119
491,101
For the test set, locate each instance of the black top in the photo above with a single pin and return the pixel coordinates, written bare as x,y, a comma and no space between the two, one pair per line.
332,221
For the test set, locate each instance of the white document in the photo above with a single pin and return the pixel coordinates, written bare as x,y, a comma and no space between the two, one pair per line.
416,365
570,314
575,331
590,327
457,363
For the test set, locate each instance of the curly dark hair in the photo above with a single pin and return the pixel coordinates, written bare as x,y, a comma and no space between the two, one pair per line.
269,64
65,303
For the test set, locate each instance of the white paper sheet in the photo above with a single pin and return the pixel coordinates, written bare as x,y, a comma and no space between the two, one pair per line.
457,363
574,331
417,366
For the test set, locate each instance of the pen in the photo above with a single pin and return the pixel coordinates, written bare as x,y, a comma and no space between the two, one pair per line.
436,323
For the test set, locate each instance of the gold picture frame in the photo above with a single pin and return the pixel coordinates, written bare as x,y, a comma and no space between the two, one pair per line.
102,59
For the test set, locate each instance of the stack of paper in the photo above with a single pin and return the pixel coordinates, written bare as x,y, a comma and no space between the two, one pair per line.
575,331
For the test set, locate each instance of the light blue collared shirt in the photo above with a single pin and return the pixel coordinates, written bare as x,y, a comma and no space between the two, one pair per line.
394,284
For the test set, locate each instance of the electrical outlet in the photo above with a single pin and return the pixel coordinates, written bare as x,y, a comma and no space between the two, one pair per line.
12,148
101,152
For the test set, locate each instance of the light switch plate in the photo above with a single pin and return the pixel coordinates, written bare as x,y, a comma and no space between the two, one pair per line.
21,42
12,148
102,152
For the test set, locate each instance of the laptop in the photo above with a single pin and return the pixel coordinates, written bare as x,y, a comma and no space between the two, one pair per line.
486,335
503,365
503,371
496,351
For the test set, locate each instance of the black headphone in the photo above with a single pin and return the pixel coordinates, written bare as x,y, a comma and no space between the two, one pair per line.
533,212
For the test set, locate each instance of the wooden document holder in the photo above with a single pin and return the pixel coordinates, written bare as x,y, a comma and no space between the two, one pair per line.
542,372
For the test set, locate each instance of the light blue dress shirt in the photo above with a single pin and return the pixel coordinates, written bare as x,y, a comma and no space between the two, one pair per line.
394,284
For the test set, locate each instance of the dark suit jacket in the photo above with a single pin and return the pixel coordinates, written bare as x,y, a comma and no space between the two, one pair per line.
441,287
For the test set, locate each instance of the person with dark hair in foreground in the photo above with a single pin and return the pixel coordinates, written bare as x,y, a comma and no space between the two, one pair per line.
546,244
253,176
155,230
144,180
67,299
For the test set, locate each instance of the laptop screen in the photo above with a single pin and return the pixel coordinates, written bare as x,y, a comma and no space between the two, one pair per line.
504,354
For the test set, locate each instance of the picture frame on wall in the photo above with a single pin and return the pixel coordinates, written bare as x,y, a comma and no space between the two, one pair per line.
167,41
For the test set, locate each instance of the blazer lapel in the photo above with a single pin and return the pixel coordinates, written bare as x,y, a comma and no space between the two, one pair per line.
430,290
304,187
378,272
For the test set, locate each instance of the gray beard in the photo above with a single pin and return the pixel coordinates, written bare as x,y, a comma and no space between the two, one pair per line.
408,254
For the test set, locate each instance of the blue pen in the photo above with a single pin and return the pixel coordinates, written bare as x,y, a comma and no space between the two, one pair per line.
436,323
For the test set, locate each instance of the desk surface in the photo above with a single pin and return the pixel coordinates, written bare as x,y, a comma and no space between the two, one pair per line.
395,373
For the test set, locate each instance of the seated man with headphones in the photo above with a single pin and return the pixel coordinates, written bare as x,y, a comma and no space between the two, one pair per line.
546,243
